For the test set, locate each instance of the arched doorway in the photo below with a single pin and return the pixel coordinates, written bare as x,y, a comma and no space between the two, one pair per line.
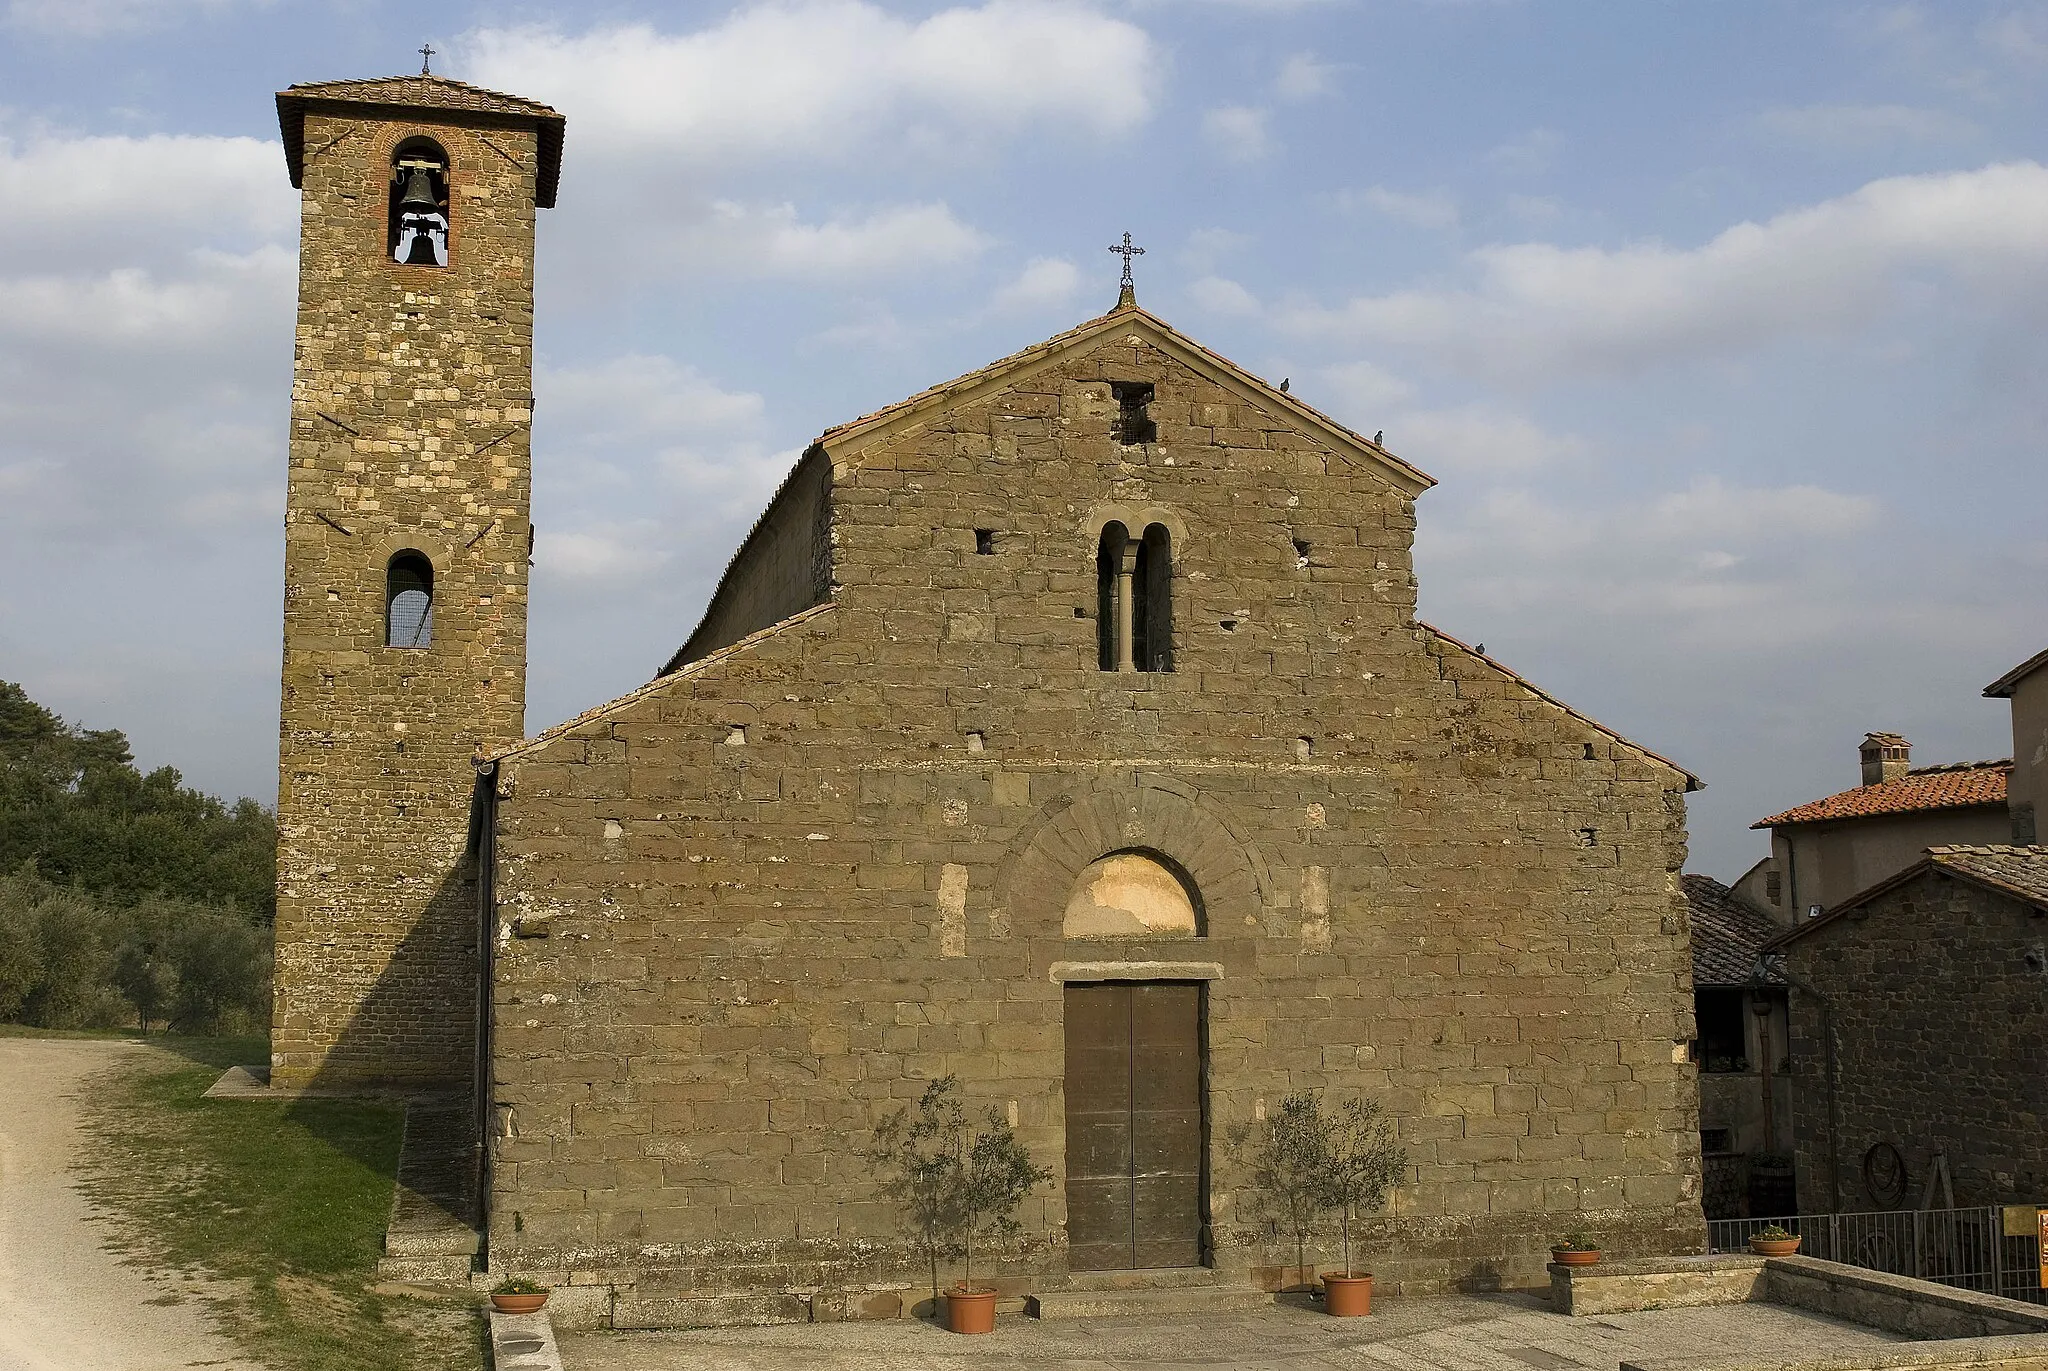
1136,1139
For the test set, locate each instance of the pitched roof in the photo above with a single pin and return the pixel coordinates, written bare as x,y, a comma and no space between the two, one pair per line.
421,92
2005,685
1161,334
484,761
2018,872
1692,782
1959,785
1726,934
2021,872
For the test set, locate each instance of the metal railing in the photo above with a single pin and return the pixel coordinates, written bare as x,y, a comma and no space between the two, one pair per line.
1961,1247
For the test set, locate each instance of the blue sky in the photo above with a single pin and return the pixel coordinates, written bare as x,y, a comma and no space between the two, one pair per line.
1721,324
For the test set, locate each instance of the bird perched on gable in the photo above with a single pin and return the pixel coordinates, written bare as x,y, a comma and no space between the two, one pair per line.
1283,385
1380,436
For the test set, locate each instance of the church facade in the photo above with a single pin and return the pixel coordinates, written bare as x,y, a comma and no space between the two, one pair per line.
1066,728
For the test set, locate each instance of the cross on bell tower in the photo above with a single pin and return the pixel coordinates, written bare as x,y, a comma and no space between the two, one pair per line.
426,59
1127,293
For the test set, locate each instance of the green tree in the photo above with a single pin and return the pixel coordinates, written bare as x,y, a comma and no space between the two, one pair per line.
72,801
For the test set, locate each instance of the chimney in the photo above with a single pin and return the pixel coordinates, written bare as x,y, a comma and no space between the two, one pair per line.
1886,757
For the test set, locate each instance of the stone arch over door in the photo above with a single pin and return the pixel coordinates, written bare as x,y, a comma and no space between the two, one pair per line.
1154,815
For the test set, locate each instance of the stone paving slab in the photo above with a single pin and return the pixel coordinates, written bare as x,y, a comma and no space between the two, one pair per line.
1467,1333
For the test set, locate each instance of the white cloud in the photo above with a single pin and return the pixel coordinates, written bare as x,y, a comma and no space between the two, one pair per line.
1836,127
1303,77
807,80
1433,209
1238,133
1476,439
1535,209
83,200
1046,283
1221,295
1528,154
729,239
1363,392
1207,246
1828,268
98,18
613,553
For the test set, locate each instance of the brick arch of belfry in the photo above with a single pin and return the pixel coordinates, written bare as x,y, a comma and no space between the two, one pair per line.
1148,814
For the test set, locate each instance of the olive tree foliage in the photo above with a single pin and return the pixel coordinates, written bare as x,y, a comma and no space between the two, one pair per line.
1309,1161
70,961
957,1186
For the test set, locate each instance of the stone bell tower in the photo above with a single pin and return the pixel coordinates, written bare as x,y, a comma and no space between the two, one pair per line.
406,547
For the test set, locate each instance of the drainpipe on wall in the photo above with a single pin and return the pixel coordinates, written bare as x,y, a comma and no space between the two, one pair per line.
1760,1006
1759,978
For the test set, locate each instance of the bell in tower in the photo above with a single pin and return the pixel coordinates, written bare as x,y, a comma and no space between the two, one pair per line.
419,211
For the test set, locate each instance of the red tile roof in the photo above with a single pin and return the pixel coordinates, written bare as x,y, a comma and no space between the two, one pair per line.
1957,786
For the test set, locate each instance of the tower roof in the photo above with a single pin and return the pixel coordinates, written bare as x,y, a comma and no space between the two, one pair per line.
422,92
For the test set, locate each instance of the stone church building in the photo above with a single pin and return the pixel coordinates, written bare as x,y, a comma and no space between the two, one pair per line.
1066,727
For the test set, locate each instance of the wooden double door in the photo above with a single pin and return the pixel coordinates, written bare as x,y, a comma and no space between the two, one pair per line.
1134,1125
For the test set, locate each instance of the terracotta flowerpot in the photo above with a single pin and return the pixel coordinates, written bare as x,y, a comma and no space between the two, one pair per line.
970,1311
1565,1256
1774,1247
1347,1296
518,1304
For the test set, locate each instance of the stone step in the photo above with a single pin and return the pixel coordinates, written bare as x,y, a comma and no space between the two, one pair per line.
442,1270
1142,1278
1181,1299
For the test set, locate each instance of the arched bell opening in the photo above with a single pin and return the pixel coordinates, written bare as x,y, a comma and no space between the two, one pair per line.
418,220
409,600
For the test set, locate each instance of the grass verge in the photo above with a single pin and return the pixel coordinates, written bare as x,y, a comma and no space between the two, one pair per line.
283,1205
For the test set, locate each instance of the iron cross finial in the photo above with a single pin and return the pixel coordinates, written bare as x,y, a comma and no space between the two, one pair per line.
426,59
1127,252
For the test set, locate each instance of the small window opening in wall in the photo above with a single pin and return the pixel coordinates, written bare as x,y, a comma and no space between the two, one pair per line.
1300,553
985,541
1229,625
1080,611
409,600
976,742
418,225
1304,748
1133,424
736,735
1589,752
1588,837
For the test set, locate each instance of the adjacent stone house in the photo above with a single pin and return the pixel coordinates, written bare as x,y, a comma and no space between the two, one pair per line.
1827,850
1922,1006
1743,1051
1068,728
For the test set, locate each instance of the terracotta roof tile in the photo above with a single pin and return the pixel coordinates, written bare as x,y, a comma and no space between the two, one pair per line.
1726,934
1958,786
422,92
2019,871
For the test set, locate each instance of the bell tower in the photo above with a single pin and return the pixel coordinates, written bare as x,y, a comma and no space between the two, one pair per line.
407,536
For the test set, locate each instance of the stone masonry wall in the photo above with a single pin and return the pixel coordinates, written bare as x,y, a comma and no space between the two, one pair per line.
411,396
1939,1019
785,564
756,906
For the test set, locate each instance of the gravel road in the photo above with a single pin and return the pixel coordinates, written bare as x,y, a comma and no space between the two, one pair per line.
66,1303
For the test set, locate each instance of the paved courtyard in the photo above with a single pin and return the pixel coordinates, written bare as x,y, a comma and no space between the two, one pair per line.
1469,1333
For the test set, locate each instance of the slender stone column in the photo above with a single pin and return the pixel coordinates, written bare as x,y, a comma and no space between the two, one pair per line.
1126,576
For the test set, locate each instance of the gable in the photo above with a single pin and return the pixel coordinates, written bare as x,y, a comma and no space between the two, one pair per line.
847,441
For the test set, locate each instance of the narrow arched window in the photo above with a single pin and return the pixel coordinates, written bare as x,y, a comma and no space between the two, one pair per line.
409,601
1110,602
1152,601
418,230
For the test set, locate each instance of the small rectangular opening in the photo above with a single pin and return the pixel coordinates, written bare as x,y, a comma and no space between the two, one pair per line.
1133,424
1300,553
985,541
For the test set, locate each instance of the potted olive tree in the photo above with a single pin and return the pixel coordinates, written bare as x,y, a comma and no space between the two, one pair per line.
1311,1162
1364,1164
957,1186
1290,1166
